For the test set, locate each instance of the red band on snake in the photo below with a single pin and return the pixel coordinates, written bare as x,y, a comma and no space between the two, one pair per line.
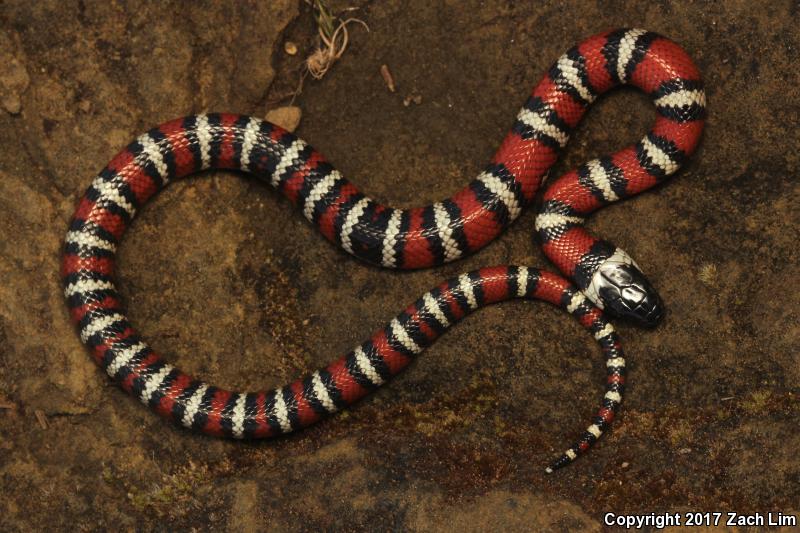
606,277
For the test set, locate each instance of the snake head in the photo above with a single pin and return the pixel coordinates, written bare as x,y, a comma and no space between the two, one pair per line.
620,288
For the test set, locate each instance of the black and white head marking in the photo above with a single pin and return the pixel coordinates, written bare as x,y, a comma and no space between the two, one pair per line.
619,287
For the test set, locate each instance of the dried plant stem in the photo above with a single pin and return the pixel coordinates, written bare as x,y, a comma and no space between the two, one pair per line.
334,38
333,46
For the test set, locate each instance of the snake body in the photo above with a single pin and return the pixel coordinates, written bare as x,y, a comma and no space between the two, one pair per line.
606,277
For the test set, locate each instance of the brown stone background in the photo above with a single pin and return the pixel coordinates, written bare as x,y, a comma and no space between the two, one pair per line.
231,284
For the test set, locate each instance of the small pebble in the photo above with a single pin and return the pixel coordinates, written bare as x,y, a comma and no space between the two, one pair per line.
415,98
287,117
290,48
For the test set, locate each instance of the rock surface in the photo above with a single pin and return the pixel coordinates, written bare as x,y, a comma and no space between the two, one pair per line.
287,117
226,280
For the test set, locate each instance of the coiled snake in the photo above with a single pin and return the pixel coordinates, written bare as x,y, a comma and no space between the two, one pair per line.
606,277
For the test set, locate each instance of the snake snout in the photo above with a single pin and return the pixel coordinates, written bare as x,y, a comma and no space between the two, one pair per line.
637,302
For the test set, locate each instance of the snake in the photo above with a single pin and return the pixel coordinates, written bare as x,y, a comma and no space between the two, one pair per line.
605,280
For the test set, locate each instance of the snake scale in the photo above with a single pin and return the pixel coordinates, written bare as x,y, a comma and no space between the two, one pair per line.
605,277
